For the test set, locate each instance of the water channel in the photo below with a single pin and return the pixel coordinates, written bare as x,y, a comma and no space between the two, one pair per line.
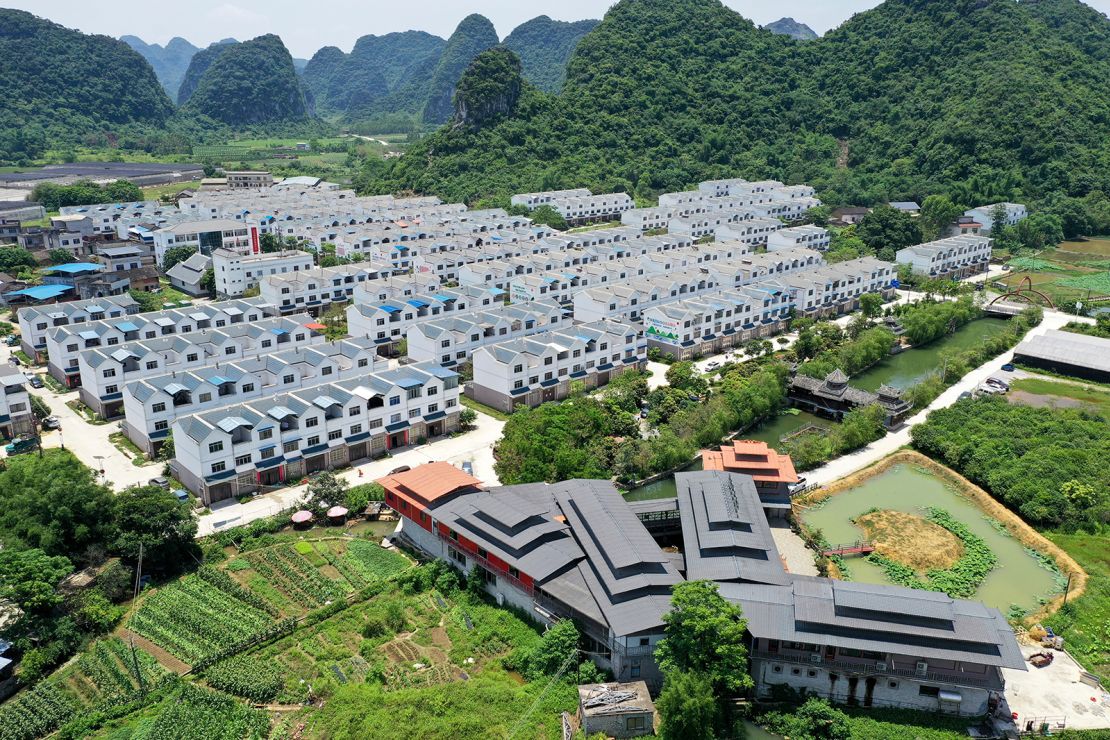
1017,578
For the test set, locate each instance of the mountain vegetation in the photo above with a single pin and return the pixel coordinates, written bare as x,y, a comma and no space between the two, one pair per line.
382,74
792,28
489,88
169,62
474,35
198,65
55,81
891,105
545,46
249,83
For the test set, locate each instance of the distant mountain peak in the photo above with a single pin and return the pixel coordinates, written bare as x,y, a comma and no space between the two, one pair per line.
792,28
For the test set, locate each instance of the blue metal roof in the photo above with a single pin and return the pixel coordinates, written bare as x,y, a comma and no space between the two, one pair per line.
74,267
278,330
42,292
441,372
409,383
497,291
126,326
390,308
441,297
417,303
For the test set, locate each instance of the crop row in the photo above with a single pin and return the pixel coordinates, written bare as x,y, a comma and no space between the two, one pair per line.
323,588
268,565
193,619
100,665
36,712
221,580
246,676
375,561
199,714
346,568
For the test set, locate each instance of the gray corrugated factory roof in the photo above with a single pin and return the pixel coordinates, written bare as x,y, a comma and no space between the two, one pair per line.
1068,348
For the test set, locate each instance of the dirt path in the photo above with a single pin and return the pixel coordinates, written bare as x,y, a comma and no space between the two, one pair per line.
167,660
842,156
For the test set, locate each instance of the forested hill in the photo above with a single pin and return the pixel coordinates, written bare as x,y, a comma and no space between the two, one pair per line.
545,46
986,99
389,73
473,35
250,83
54,80
169,62
198,65
792,28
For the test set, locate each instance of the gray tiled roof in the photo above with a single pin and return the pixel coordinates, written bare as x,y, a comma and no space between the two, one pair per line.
1068,348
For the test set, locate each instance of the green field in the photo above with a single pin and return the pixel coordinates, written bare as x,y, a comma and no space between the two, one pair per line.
1073,271
1098,398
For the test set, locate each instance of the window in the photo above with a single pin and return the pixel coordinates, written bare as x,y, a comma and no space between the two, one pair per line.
112,389
413,413
432,390
161,426
929,690
433,407
311,421
229,350
811,673
313,440
205,397
892,684
265,433
356,429
191,357
325,370
215,446
248,387
634,672
336,434
242,460
483,553
219,467
290,446
158,407
394,418
394,400
514,572
110,373
375,424
776,669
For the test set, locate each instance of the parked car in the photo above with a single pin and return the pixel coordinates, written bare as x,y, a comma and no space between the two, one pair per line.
14,360
468,467
11,340
19,446
51,422
160,482
1008,367
402,469
35,381
181,494
998,383
643,413
991,389
965,395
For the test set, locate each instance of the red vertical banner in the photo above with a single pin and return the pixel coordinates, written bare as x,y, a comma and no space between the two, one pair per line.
254,240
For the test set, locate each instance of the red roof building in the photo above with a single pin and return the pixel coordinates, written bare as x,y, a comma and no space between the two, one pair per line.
411,493
772,472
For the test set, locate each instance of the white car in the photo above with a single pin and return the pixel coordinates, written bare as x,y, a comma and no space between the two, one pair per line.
991,389
998,383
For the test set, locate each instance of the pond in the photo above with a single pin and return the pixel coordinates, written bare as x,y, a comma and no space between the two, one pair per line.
910,367
1017,578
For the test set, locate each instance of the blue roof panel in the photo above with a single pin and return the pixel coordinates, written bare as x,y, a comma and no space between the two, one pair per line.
42,292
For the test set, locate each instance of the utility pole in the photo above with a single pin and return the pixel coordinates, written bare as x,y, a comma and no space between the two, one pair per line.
134,653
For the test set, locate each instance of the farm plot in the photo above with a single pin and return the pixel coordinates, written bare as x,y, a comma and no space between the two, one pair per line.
193,713
36,712
194,618
106,673
295,576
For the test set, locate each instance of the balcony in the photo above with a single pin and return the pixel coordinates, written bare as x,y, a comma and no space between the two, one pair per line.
870,668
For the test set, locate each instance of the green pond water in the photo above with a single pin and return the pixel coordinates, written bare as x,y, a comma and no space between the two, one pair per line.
907,368
1017,578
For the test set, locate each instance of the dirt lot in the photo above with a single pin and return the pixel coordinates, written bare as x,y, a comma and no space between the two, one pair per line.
911,540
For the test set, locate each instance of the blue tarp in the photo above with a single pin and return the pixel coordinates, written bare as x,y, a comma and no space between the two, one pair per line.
42,292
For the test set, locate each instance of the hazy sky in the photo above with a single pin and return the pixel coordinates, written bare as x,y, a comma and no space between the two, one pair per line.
307,26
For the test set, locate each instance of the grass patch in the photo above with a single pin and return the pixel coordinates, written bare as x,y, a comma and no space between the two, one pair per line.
1085,622
911,540
54,384
481,408
1097,281
1096,397
120,441
89,415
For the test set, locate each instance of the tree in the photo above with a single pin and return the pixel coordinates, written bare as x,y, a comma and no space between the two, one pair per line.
152,518
325,490
174,255
557,649
688,708
684,376
208,280
705,635
358,498
814,720
13,258
871,305
886,230
937,212
61,256
30,578
468,418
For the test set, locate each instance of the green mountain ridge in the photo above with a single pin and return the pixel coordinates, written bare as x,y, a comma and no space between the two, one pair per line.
792,28
892,105
169,62
198,65
56,81
544,47
249,83
473,35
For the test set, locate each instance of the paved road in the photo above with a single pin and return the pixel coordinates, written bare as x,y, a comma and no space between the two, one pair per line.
475,446
850,463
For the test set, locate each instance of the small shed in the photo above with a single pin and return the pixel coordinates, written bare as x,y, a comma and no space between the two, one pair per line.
337,515
617,710
301,518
